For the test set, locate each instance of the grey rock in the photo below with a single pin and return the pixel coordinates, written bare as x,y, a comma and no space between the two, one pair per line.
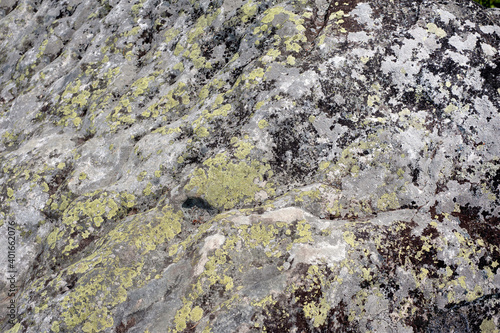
248,166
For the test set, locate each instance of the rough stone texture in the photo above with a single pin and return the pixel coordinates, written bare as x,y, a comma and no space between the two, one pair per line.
242,165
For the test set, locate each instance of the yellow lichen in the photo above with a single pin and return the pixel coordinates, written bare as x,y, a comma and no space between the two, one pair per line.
388,201
317,311
263,123
488,326
433,28
249,10
225,183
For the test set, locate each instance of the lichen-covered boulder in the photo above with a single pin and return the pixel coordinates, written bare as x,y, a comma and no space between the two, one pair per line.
248,166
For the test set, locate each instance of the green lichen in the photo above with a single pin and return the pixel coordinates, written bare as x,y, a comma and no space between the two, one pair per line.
248,11
140,86
76,99
41,49
141,176
272,54
202,132
254,77
53,237
15,329
104,278
388,201
304,232
243,148
201,24
372,100
187,314
488,326
433,28
317,311
147,190
194,54
169,101
171,34
350,238
221,264
82,217
9,139
134,31
263,123
311,195
323,165
55,326
276,17
225,183
178,49
137,7
259,235
271,13
179,66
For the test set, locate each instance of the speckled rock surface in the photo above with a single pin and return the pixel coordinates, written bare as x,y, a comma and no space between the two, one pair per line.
248,166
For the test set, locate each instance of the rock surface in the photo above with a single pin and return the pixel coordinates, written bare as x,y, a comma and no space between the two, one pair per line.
248,166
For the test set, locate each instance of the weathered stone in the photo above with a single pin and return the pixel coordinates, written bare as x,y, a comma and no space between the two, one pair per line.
241,166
